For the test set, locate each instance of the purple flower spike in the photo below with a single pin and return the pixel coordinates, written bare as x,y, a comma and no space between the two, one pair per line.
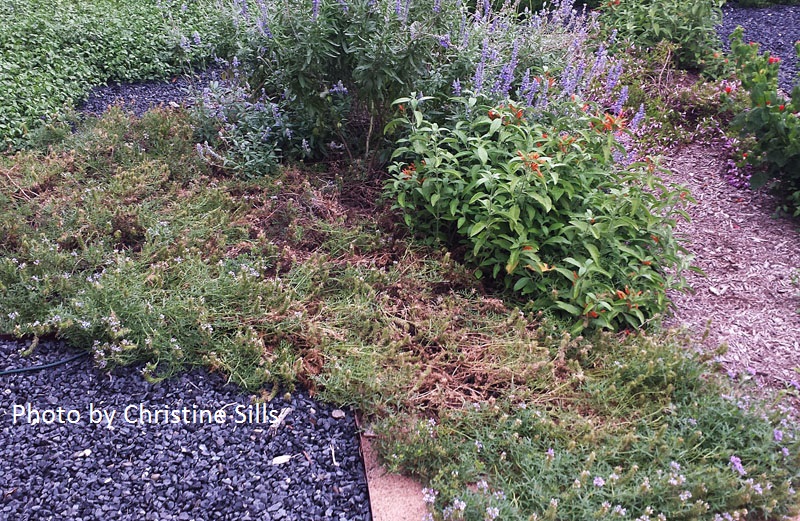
736,465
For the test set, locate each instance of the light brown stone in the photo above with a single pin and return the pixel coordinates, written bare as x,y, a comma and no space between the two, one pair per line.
393,497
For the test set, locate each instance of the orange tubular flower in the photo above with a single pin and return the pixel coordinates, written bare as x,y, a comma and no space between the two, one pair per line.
532,161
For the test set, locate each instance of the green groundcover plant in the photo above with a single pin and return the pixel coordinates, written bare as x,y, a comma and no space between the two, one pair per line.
52,52
123,241
642,433
539,203
128,239
772,119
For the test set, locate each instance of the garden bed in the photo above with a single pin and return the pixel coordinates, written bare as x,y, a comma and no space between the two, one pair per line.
518,373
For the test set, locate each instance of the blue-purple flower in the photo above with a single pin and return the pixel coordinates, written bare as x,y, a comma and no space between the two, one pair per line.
736,465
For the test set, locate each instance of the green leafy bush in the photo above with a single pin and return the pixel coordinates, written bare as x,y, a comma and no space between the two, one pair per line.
689,24
52,52
772,119
540,205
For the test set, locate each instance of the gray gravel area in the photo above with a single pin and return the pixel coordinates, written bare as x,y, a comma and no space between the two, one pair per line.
140,97
775,29
60,459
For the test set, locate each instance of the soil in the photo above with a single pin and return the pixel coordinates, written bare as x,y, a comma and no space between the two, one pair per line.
747,299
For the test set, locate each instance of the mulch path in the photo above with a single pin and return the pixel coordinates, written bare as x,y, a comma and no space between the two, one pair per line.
747,299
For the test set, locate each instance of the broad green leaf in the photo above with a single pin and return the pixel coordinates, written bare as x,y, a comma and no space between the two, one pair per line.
477,228
569,308
482,155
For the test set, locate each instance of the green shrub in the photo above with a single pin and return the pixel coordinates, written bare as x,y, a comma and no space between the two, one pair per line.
539,204
689,24
771,119
241,136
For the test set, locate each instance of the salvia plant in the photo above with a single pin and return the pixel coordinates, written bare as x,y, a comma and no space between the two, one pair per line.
338,65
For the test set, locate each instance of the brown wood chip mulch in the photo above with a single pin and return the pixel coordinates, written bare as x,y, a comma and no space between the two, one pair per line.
747,299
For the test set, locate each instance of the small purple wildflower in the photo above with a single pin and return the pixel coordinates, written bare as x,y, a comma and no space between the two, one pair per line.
599,66
736,465
429,495
503,83
613,77
531,91
492,513
196,38
785,452
339,88
437,6
444,41
477,80
599,482
541,100
778,435
314,9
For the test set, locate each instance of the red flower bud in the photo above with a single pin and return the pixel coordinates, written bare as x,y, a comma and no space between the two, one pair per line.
774,59
728,89
781,107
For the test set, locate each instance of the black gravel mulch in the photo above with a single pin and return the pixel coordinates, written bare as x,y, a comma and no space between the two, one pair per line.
140,97
60,459
775,29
